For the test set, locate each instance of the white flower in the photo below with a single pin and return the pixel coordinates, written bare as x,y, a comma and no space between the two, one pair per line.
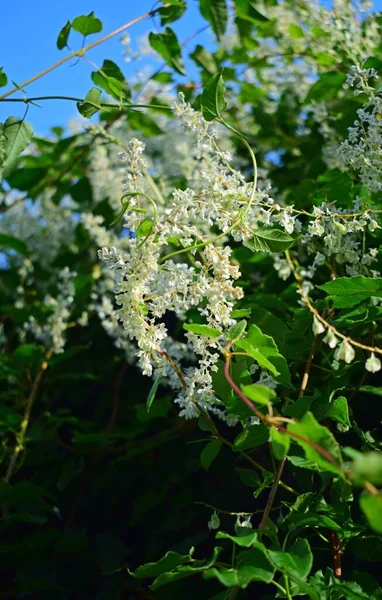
317,326
214,522
345,352
245,523
373,364
331,339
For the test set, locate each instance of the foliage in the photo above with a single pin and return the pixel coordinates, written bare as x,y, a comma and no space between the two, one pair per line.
190,325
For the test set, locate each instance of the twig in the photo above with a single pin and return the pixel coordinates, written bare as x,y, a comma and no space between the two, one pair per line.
25,422
78,53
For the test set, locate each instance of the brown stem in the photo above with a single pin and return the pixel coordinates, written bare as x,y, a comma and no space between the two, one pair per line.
308,366
271,421
336,554
272,494
25,422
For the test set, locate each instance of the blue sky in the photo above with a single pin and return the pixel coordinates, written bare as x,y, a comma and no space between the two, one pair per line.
28,45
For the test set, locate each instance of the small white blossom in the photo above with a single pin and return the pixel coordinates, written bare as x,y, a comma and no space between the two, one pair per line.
373,364
330,339
345,351
317,326
214,522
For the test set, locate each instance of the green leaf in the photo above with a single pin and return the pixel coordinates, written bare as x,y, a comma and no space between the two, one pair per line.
204,330
295,31
261,394
205,59
365,467
91,103
297,520
264,350
280,443
111,79
351,591
367,547
216,14
212,100
246,539
254,436
271,240
152,392
169,14
144,228
249,11
253,565
339,411
3,78
372,508
16,136
167,45
320,436
142,122
87,24
349,291
241,312
28,353
197,566
369,389
62,40
296,562
249,477
13,243
236,331
209,453
327,87
169,562
270,324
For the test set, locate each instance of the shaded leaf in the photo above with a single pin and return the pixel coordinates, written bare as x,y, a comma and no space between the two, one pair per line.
167,45
216,14
62,40
209,453
152,393
264,350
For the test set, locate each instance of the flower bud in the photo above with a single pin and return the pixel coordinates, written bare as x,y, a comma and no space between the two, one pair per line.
373,364
214,522
345,352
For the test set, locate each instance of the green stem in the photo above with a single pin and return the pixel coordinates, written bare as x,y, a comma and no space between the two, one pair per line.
287,588
280,587
74,99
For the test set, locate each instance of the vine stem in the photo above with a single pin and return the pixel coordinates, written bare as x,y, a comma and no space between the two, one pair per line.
322,320
26,419
74,99
78,53
272,494
273,421
281,466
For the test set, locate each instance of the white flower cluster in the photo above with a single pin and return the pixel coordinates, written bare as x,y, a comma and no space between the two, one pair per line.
51,333
362,150
335,234
344,351
152,282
